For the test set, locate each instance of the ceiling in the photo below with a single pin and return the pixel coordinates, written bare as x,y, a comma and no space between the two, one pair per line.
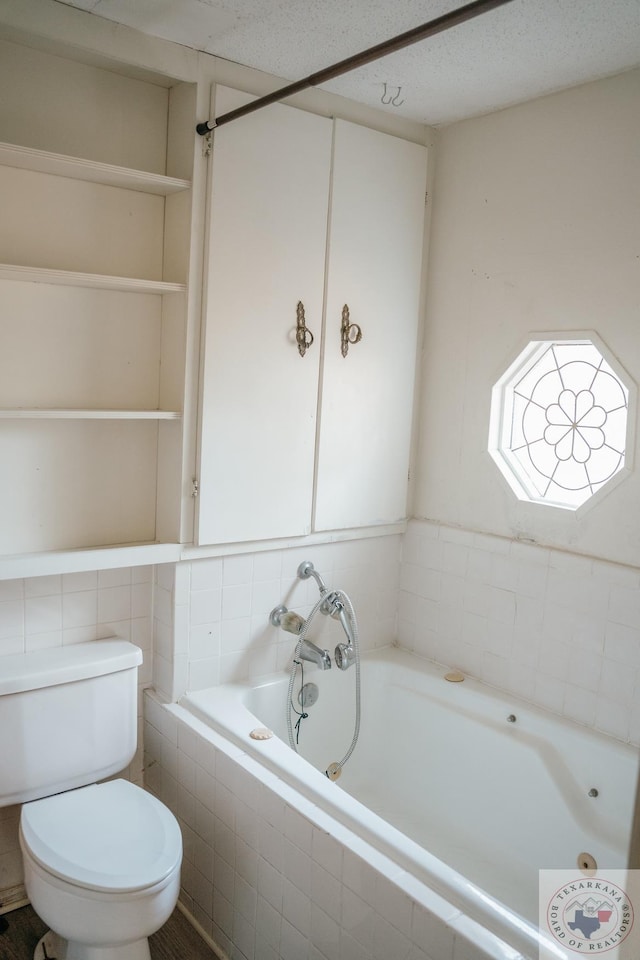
525,49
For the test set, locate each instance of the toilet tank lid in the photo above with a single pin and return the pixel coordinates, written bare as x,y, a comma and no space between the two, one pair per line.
20,672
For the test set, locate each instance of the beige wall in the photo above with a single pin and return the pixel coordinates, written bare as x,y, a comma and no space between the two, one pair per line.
536,227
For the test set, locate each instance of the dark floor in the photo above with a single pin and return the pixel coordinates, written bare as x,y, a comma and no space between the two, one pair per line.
177,940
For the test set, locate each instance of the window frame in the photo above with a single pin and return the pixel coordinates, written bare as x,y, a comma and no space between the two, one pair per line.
532,349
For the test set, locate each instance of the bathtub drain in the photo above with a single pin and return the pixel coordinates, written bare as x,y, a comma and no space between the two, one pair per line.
308,695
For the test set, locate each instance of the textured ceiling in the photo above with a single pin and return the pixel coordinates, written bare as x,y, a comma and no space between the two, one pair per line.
523,50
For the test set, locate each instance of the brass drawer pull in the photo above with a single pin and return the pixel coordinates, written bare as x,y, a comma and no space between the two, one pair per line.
349,332
304,337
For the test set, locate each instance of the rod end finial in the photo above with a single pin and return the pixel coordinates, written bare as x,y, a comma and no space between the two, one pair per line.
206,127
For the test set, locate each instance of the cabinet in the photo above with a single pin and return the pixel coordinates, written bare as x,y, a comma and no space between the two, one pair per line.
326,214
94,238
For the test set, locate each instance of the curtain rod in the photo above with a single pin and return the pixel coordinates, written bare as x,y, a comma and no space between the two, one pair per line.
444,22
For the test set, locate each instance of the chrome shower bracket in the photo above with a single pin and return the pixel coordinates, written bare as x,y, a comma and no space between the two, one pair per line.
331,605
306,570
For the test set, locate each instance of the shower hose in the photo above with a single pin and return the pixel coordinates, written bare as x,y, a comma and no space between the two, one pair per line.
351,616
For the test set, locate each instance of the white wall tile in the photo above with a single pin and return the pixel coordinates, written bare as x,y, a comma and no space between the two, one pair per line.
11,590
270,883
237,570
540,623
351,949
114,603
10,645
622,644
388,941
624,606
118,577
298,830
293,945
11,618
43,586
205,606
236,601
393,904
204,640
245,898
235,634
79,608
206,574
43,641
43,613
580,704
326,891
325,934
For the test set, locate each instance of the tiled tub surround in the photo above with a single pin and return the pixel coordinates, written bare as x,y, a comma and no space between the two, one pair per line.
53,611
269,876
558,629
442,781
212,615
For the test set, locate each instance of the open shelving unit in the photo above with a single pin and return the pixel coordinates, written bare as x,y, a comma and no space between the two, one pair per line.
94,256
42,161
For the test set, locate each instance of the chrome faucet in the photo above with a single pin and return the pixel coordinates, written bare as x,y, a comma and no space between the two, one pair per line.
309,651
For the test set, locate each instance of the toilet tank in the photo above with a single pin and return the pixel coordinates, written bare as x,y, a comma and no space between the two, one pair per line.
68,716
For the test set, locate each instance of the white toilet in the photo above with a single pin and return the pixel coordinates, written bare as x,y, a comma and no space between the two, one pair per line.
101,860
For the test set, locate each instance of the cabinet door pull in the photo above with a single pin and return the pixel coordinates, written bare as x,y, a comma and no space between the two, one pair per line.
304,337
349,332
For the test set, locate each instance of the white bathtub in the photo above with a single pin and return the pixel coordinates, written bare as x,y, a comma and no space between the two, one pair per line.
469,802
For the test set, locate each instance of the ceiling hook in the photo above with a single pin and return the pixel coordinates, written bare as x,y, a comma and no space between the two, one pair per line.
384,95
395,101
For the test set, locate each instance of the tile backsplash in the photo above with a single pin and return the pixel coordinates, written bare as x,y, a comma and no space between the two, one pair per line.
212,615
52,611
558,629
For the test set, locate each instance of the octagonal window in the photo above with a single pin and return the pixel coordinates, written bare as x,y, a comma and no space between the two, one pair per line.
560,420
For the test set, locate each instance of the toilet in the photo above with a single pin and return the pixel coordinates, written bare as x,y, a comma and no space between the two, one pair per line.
101,859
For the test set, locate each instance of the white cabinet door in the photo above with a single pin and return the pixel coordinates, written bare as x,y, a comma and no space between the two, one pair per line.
268,221
374,267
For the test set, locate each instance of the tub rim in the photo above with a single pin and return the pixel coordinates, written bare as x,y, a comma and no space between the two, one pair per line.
276,757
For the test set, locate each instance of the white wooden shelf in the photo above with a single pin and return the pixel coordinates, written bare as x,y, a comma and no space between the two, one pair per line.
24,413
26,158
96,558
98,281
95,242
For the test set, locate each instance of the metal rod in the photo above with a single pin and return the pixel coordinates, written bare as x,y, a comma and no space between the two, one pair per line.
440,24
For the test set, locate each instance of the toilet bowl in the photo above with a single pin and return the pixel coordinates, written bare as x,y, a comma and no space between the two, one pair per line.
102,869
101,856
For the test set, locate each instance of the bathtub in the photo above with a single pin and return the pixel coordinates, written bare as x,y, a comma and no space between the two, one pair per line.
469,790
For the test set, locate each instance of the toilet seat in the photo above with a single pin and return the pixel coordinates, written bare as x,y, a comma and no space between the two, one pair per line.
111,837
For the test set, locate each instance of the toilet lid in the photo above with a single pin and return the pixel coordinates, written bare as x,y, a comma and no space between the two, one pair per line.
111,836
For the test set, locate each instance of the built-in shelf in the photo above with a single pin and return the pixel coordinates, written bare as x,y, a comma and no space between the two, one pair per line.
26,158
98,281
97,558
22,413
95,246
